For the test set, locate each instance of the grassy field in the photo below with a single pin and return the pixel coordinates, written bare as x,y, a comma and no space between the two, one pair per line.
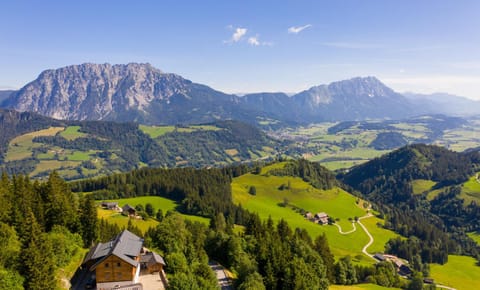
21,146
335,202
72,133
359,287
47,165
380,234
420,186
157,202
475,236
460,272
156,131
471,190
80,155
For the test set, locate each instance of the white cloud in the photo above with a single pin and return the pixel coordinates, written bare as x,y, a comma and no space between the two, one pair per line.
238,34
253,41
298,29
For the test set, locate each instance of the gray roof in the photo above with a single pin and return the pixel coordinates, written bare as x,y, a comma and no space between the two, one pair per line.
127,207
152,258
126,246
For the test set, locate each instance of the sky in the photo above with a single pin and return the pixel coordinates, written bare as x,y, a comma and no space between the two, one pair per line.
252,46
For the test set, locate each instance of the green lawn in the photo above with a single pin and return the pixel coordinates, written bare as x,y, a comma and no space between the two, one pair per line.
72,133
156,131
460,272
335,202
471,190
359,287
157,202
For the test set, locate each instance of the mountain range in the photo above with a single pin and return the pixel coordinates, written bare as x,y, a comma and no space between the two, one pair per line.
144,94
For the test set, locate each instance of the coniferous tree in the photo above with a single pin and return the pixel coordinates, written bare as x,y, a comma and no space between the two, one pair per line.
88,221
38,266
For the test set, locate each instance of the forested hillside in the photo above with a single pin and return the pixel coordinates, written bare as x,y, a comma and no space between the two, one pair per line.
435,221
35,145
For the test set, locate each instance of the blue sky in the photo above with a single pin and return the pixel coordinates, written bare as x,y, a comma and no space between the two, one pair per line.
250,46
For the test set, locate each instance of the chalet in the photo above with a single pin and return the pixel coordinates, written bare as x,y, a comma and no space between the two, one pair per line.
152,262
110,205
428,281
128,210
321,218
308,216
118,262
379,257
404,270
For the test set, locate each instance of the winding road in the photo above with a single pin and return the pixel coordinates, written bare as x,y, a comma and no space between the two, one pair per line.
364,250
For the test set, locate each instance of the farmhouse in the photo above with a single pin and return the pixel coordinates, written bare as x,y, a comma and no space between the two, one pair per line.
309,216
110,205
379,257
118,262
321,218
128,210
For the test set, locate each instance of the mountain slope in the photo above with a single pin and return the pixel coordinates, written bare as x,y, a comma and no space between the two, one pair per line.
444,104
388,178
35,145
354,99
132,92
144,94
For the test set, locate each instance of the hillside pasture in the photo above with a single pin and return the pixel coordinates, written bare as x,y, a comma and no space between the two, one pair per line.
269,201
420,186
471,190
359,287
475,236
460,272
21,147
72,132
157,202
156,131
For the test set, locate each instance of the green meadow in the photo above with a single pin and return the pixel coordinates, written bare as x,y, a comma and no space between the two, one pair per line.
359,287
156,131
420,186
471,190
157,202
21,147
269,200
475,236
72,133
460,272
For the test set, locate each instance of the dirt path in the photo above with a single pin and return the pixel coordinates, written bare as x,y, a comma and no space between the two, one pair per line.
364,250
444,287
223,281
346,233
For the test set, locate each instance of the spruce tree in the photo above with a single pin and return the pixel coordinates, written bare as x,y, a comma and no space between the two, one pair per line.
88,221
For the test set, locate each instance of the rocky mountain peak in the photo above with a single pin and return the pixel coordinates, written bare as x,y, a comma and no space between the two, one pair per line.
93,91
361,86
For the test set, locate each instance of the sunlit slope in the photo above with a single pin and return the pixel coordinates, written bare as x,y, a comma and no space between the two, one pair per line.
270,200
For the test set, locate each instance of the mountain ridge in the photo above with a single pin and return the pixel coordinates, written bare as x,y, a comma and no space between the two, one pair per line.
141,93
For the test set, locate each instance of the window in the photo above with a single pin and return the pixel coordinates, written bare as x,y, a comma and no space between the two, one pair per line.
106,265
107,276
119,264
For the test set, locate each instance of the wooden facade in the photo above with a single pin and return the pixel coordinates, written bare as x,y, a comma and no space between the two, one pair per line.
118,263
114,269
